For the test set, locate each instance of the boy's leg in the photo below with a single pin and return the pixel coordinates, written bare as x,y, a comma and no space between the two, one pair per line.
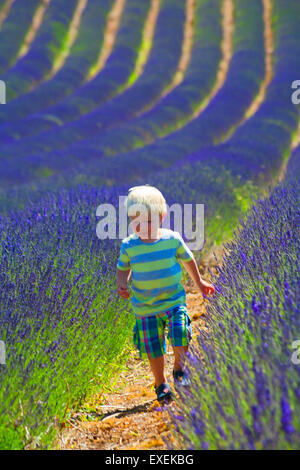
179,353
157,366
180,333
150,340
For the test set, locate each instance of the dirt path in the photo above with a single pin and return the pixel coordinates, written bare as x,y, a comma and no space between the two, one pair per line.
129,417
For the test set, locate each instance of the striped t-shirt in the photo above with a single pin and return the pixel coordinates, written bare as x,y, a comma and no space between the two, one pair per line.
155,271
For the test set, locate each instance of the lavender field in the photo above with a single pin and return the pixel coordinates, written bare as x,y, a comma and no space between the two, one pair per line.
195,97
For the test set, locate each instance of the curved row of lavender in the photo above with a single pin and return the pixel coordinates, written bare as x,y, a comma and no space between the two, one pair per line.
245,391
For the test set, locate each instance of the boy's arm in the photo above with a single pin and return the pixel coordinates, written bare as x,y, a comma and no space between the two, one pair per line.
187,258
122,281
123,273
192,269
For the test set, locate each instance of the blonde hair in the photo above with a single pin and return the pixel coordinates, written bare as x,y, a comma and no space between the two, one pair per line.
147,196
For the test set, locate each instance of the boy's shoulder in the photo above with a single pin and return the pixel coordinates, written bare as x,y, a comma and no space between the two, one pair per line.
167,233
129,239
170,234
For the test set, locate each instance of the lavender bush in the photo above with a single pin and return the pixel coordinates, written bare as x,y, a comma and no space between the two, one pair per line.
62,322
293,166
245,384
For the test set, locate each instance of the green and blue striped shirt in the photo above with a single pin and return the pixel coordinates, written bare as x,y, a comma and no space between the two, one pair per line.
155,271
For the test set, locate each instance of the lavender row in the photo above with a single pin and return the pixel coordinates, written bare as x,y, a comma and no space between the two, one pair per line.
61,320
12,37
83,55
293,166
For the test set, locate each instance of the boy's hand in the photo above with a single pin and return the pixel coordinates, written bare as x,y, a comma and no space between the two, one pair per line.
206,288
123,292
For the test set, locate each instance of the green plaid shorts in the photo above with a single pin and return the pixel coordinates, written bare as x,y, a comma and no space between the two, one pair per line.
149,332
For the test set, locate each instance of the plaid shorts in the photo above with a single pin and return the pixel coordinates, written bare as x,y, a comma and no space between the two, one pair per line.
149,332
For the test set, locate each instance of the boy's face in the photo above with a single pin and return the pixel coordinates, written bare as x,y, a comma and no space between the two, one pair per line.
146,226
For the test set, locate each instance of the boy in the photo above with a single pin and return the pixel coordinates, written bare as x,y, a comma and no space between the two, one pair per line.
150,256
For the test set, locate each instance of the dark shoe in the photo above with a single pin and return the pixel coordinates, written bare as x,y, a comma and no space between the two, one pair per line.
181,378
164,392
